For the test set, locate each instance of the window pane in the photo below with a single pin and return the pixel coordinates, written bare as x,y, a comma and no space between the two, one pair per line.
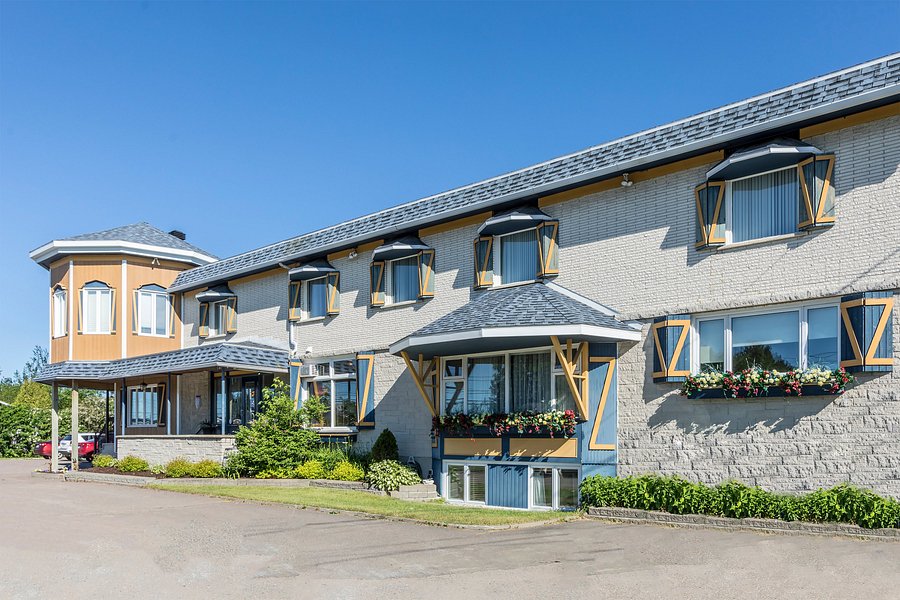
235,401
405,279
162,311
766,341
453,368
90,311
345,403
103,311
316,297
764,206
518,257
486,385
322,389
564,398
822,343
344,367
145,309
712,345
568,488
152,396
455,482
476,484
453,397
529,382
542,487
323,370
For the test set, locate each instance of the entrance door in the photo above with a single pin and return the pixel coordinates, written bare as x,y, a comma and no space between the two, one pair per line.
250,393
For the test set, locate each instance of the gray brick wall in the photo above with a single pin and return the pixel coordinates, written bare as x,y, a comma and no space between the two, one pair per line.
193,385
159,450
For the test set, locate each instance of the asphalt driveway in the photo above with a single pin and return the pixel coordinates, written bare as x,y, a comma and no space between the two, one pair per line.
84,540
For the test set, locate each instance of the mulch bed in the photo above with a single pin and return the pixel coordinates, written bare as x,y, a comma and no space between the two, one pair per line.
114,471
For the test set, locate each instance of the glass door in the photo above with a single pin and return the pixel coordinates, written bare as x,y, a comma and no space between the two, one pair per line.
250,397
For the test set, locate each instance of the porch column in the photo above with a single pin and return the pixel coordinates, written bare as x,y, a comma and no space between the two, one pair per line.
74,425
124,398
54,429
106,421
223,400
178,405
168,404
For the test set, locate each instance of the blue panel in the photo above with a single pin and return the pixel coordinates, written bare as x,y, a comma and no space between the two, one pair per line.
668,341
606,429
365,388
864,321
508,486
295,383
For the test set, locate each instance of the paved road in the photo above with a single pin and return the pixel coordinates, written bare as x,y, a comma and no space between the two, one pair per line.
83,540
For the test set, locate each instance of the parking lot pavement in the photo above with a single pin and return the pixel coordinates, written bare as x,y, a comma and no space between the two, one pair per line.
84,540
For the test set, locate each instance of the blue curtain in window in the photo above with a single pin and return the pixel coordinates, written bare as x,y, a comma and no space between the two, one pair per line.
530,382
317,299
405,279
519,257
764,206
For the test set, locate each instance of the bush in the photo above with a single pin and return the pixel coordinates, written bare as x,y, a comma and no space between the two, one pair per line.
330,455
179,467
311,469
131,464
207,468
276,474
389,475
21,427
276,439
841,504
347,471
385,447
104,460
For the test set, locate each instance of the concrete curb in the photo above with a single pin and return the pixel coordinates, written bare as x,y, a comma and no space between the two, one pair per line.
627,515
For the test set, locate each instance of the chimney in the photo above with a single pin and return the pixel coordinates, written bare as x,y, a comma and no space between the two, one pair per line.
179,234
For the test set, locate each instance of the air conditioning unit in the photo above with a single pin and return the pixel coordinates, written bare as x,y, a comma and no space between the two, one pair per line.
308,371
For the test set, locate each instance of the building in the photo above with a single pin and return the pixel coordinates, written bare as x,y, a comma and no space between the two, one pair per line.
761,233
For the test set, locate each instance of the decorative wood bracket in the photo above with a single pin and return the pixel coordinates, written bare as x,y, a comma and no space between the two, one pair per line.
570,359
425,375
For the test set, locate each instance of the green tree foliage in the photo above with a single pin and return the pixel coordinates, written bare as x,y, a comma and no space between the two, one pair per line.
21,427
385,447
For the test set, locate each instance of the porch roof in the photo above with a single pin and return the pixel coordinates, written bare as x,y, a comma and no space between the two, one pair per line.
226,355
517,317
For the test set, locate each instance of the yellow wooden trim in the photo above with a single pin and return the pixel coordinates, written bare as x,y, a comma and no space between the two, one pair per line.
888,304
374,292
369,246
804,189
294,312
712,239
257,276
667,370
419,384
882,112
825,184
565,361
451,225
365,399
659,353
333,292
545,260
595,430
473,446
543,447
857,352
481,269
429,269
231,325
613,183
338,255
700,218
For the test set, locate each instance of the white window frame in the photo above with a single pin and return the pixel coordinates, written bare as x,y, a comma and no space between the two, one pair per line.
332,377
729,211
60,306
139,388
555,370
803,325
153,321
498,259
389,282
556,468
305,290
104,320
445,481
219,308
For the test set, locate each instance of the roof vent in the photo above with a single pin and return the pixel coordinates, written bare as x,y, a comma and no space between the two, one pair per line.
179,234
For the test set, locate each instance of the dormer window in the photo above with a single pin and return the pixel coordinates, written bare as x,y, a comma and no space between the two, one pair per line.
518,257
60,312
314,291
517,246
218,311
98,309
401,272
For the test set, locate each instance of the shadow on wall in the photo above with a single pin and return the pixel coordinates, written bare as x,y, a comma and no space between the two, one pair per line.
403,411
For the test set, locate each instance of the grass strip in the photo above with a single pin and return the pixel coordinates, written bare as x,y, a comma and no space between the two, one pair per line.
434,512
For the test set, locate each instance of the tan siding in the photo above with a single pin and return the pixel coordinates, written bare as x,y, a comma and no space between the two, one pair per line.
59,347
146,274
97,347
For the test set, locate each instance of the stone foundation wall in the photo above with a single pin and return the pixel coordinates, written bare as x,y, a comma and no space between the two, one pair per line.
160,449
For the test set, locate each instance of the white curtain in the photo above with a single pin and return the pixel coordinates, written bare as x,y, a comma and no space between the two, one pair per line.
542,487
530,382
764,206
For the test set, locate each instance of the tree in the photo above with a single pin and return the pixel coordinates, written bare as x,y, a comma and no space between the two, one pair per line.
34,394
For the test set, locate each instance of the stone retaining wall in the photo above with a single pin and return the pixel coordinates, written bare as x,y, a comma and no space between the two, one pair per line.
160,449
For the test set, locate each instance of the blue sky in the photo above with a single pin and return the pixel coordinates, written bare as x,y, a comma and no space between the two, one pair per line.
246,123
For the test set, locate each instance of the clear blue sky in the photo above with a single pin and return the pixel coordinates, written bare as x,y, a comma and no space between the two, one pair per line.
246,123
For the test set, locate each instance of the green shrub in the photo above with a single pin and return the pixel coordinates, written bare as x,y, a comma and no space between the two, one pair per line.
158,469
179,467
389,475
311,469
207,468
330,455
131,464
275,474
21,427
276,439
104,460
841,504
385,447
347,471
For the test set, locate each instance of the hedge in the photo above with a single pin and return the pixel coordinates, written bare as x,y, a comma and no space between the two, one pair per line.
841,504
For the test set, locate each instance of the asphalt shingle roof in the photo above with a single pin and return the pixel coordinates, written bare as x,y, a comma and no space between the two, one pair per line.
139,233
245,355
704,130
534,304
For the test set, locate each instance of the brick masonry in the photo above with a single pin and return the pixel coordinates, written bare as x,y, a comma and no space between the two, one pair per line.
159,450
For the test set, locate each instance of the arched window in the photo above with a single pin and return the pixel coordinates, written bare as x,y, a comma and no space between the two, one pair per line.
151,312
60,312
98,309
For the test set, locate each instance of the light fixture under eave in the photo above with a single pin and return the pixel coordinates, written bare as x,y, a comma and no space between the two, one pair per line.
352,254
626,182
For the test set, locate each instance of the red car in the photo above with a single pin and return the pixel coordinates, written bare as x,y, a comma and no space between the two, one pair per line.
87,446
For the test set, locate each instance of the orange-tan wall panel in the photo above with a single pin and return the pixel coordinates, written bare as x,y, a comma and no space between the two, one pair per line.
141,273
59,347
97,346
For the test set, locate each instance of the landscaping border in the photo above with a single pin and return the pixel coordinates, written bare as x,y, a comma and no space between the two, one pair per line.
773,526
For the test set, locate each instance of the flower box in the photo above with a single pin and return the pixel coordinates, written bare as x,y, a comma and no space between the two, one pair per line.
555,423
483,431
770,392
756,383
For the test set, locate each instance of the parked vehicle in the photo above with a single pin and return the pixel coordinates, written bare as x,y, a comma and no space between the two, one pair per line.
88,444
44,449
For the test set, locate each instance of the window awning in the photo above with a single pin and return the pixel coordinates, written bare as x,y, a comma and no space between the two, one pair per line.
313,270
215,293
513,220
525,316
406,246
759,159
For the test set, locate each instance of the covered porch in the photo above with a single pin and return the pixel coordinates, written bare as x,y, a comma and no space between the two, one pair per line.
172,403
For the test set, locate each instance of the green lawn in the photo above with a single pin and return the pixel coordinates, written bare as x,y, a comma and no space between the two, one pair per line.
437,512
